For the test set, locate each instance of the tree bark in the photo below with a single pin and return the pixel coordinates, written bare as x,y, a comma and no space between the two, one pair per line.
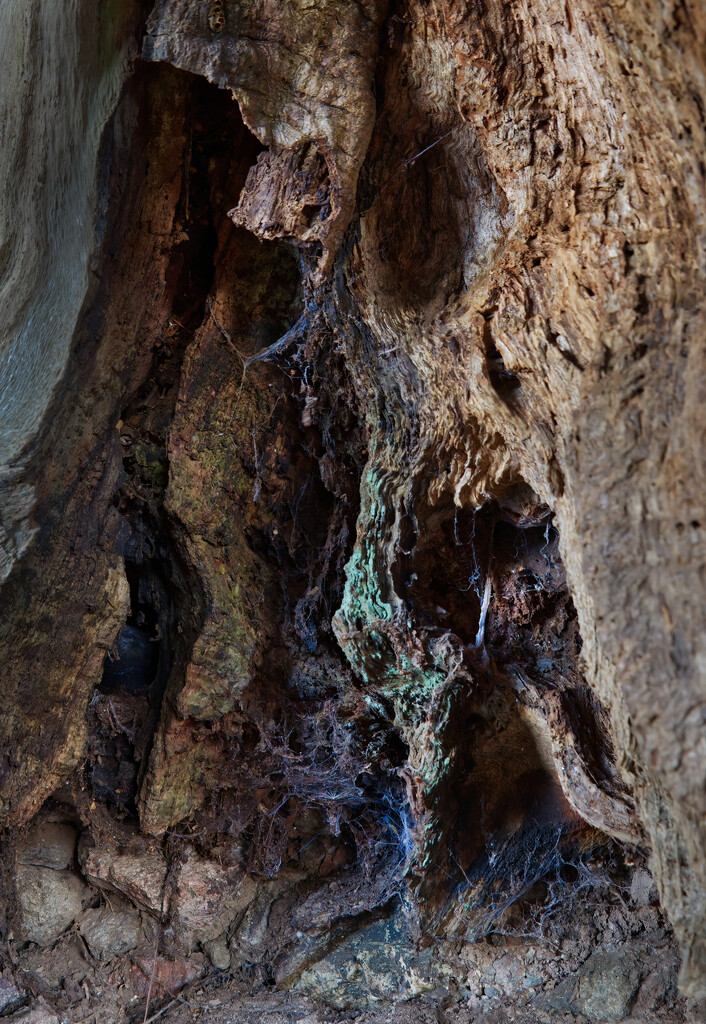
352,471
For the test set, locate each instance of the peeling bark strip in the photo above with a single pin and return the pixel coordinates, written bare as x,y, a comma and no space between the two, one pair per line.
369,549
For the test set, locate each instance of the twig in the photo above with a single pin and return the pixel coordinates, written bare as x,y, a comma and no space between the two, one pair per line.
169,1006
130,733
77,930
156,951
187,835
176,1000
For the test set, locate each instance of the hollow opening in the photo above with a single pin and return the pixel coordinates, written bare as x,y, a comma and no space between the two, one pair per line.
166,603
277,498
504,381
494,578
445,562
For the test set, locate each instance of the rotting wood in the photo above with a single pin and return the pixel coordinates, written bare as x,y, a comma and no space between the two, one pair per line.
429,577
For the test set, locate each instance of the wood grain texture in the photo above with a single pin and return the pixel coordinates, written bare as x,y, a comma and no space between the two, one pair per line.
455,289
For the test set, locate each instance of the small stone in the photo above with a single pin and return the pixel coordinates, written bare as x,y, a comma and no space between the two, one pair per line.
696,1011
607,986
139,876
110,933
49,845
560,999
218,953
49,902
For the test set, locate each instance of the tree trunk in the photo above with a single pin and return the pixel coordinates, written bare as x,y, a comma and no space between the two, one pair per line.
352,488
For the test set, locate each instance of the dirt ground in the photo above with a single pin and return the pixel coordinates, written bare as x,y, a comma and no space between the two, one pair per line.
597,950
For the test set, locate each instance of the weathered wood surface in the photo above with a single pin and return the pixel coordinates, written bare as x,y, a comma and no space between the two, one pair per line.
497,345
63,71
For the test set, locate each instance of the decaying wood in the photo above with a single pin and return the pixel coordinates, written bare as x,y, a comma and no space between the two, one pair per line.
385,414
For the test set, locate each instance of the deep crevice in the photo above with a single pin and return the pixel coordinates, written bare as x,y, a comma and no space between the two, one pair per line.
165,599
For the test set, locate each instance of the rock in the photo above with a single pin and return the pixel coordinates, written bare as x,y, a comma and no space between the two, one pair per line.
509,973
377,964
11,998
252,930
207,898
49,901
110,933
139,876
217,952
49,845
607,986
40,1014
659,989
166,975
696,1011
560,999
533,981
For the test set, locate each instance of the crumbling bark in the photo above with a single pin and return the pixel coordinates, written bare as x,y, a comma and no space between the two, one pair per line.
374,465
